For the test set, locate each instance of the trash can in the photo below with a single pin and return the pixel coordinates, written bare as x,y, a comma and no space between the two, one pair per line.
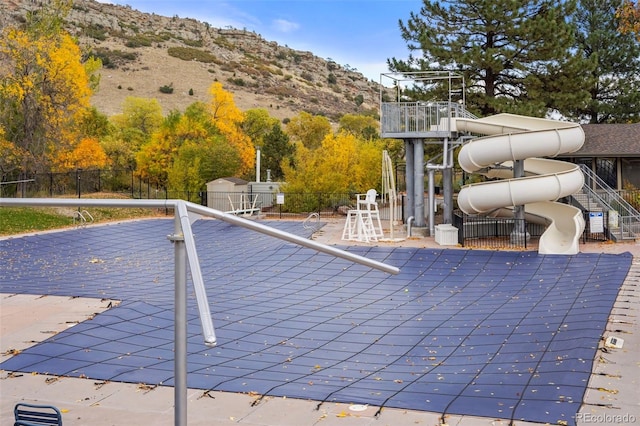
446,235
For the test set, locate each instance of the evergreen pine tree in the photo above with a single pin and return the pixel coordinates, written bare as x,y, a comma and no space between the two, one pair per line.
276,148
515,55
615,84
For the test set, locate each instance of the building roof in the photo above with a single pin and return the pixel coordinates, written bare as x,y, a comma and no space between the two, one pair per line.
609,140
234,180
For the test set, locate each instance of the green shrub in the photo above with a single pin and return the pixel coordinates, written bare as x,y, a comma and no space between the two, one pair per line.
114,58
96,31
237,81
138,41
193,43
193,54
167,88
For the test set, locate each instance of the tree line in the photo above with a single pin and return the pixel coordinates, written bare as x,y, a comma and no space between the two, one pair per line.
575,59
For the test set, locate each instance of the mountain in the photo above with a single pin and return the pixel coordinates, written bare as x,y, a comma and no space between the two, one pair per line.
175,60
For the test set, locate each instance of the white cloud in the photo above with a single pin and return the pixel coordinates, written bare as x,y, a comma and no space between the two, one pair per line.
284,26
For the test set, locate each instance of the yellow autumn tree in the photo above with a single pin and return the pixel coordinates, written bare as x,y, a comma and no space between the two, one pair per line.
88,154
343,163
228,119
187,151
155,157
363,126
134,127
308,129
44,87
142,114
257,123
200,161
629,17
11,157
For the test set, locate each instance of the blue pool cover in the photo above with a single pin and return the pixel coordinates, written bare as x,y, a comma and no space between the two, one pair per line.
499,334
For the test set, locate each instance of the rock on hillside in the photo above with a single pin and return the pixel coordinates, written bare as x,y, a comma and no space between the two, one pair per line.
144,53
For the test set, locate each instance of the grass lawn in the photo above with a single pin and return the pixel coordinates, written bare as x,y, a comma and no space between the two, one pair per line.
18,220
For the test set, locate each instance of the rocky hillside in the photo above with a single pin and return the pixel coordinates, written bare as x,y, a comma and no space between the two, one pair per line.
176,60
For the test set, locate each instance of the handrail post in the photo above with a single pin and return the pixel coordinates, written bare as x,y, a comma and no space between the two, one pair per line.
180,324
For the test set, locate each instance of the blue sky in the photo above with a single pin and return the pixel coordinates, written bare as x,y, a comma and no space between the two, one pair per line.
360,33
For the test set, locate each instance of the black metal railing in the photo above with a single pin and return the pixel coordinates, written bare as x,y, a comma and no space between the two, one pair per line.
79,182
290,204
496,233
473,231
597,226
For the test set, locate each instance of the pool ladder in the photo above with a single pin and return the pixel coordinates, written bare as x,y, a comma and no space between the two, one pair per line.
80,218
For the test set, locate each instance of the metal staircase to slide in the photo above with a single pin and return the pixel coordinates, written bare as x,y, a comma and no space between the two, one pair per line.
597,196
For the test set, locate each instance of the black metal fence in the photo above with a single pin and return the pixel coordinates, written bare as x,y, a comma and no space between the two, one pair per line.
496,233
290,204
473,231
596,229
500,233
77,182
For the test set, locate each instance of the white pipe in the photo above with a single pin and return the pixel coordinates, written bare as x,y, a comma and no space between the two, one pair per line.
305,242
445,150
432,200
180,391
258,164
196,275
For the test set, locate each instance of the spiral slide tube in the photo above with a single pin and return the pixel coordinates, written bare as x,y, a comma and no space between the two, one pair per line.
513,137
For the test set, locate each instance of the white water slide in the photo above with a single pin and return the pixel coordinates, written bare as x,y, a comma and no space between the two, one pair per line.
513,137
